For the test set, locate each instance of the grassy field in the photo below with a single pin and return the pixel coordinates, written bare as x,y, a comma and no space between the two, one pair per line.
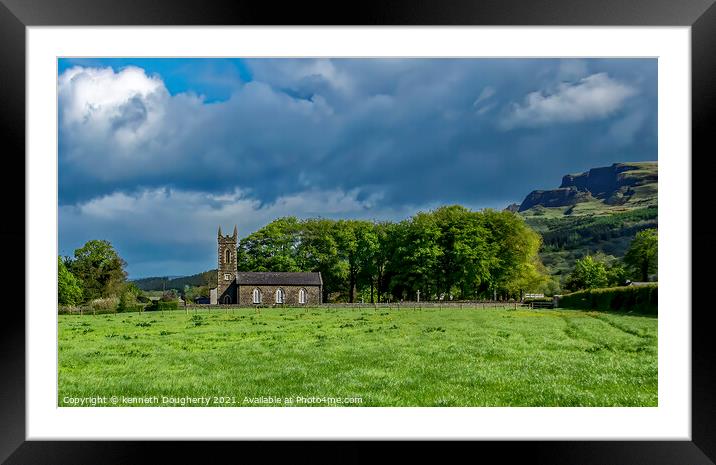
424,357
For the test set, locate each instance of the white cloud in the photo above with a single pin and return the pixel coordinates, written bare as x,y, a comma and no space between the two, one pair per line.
487,93
172,208
483,104
124,127
297,73
125,105
181,225
593,97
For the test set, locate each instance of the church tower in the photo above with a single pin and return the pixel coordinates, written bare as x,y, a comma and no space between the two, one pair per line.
226,282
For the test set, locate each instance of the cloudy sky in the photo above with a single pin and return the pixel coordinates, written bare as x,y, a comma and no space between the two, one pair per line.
155,154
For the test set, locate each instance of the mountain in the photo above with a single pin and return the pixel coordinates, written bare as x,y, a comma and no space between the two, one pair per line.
597,211
617,188
513,207
165,282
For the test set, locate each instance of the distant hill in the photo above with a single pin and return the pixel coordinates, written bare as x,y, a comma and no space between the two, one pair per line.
600,210
617,188
178,283
567,238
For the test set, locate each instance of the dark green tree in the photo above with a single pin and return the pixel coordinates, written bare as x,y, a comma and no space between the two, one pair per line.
271,248
514,264
69,291
99,268
588,274
642,256
318,251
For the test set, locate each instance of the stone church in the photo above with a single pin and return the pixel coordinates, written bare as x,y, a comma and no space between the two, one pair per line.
260,288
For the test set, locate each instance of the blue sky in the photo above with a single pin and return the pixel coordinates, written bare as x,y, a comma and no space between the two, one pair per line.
155,154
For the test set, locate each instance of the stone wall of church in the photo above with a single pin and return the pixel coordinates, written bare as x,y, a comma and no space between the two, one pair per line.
226,270
228,294
268,295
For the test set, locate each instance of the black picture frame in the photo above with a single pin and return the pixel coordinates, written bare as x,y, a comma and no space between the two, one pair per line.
700,15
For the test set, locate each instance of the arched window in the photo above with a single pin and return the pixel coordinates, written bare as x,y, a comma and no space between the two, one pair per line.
227,299
279,296
302,296
257,296
228,257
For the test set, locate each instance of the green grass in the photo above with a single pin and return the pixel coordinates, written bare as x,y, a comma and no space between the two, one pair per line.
386,357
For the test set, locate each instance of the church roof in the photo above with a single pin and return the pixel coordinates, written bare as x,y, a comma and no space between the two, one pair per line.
274,278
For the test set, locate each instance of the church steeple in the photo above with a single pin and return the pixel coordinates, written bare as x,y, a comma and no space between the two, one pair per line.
226,269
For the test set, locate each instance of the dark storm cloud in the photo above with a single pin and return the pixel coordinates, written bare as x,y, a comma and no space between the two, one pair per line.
394,126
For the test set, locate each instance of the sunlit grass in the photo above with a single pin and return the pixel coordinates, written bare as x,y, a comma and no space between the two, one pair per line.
423,357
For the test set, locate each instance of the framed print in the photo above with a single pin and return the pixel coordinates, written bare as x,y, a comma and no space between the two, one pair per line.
413,223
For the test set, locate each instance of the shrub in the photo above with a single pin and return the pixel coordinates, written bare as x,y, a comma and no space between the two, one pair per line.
106,305
127,301
69,310
133,308
643,299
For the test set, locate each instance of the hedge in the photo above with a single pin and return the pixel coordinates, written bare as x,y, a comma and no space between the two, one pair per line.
90,310
642,299
131,308
159,305
537,299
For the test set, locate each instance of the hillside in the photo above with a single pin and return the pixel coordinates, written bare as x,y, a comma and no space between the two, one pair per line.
600,210
568,238
162,283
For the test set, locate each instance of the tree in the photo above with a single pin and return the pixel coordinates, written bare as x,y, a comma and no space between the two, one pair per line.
69,291
514,263
191,293
642,256
318,251
616,274
367,236
271,248
384,237
356,242
99,268
588,274
414,257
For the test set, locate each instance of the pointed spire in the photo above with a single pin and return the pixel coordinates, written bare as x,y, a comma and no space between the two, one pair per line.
236,232
219,231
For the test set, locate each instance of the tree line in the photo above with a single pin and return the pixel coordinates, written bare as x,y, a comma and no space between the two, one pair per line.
447,253
640,263
450,252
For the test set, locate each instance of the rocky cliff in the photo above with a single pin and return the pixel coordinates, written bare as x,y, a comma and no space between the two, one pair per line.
631,184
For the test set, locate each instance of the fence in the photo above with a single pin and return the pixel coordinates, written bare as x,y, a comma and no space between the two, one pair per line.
389,305
540,304
475,305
